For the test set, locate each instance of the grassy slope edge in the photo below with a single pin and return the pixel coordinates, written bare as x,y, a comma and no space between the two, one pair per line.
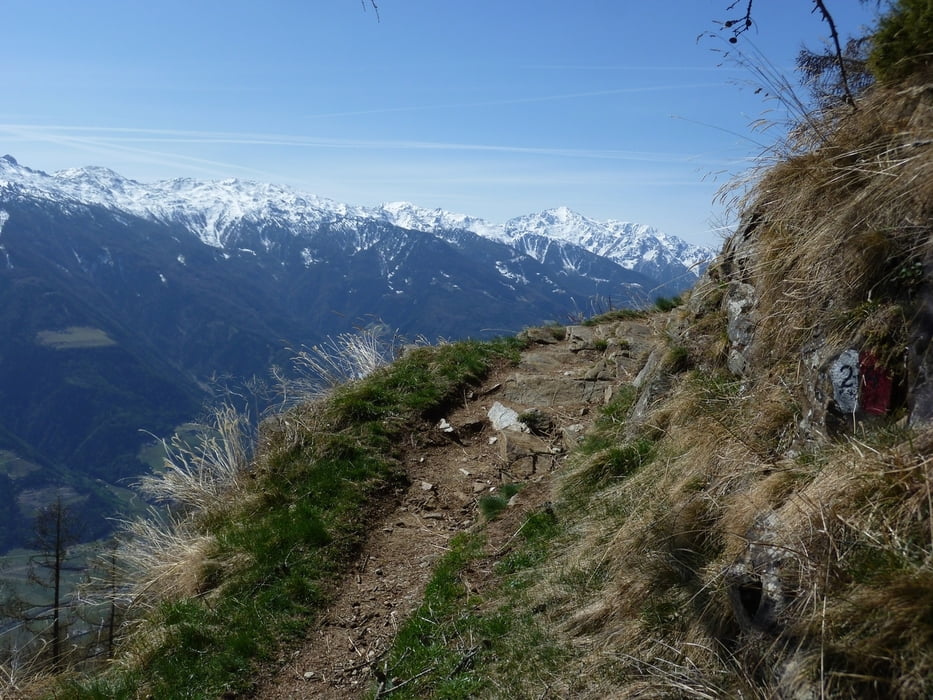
258,565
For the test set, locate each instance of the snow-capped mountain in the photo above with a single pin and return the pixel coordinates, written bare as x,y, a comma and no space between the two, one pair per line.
215,210
209,209
633,246
408,215
670,260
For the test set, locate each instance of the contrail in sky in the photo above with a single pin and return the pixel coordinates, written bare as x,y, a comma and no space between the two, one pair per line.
518,100
117,138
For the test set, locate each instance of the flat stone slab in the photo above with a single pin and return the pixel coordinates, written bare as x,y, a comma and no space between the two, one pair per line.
514,446
542,391
543,361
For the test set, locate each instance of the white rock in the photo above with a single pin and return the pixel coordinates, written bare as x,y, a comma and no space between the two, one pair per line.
505,418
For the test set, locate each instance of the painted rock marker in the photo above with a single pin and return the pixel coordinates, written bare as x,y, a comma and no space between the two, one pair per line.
844,375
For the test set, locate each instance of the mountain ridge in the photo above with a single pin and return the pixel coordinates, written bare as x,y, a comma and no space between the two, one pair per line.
210,209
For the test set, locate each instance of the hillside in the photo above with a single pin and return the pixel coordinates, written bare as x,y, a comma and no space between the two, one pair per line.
128,306
729,498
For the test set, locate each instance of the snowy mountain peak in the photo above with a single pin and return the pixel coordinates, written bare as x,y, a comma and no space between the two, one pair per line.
93,173
92,181
411,216
11,170
633,246
563,215
215,210
561,224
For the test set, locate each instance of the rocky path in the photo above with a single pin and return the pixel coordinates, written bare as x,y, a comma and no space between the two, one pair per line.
451,466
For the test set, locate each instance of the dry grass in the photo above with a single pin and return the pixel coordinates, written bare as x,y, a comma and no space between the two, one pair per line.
316,372
165,558
166,555
338,360
835,245
643,585
204,471
843,225
24,669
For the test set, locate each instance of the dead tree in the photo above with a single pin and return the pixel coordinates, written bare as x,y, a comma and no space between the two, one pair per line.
56,532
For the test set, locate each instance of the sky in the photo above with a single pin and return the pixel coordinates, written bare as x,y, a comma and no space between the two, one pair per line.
618,109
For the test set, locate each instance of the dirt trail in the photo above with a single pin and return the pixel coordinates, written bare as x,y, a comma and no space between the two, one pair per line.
449,471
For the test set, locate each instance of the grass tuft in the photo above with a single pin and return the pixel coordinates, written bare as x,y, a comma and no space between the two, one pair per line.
492,505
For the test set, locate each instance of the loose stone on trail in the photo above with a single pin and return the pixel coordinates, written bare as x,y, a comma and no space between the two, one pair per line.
505,418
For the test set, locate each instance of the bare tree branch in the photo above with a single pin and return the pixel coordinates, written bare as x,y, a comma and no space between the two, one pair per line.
740,25
839,57
374,6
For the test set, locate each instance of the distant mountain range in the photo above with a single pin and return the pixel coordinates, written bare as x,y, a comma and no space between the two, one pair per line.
123,302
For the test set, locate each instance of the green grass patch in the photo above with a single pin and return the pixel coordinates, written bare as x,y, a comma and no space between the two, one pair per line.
493,504
459,645
14,466
293,542
609,426
601,467
538,423
678,359
280,552
606,453
429,646
538,532
616,411
424,382
75,337
622,460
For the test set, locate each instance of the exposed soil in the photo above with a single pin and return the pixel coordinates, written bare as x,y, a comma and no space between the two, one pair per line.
449,472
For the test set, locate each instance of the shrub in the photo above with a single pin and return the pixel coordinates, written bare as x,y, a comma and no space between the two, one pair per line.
903,43
666,304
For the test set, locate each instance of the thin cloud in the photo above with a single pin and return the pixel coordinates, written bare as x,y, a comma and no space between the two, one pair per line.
109,146
633,67
116,139
518,100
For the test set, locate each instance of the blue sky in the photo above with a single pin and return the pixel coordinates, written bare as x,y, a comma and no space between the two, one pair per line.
494,108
